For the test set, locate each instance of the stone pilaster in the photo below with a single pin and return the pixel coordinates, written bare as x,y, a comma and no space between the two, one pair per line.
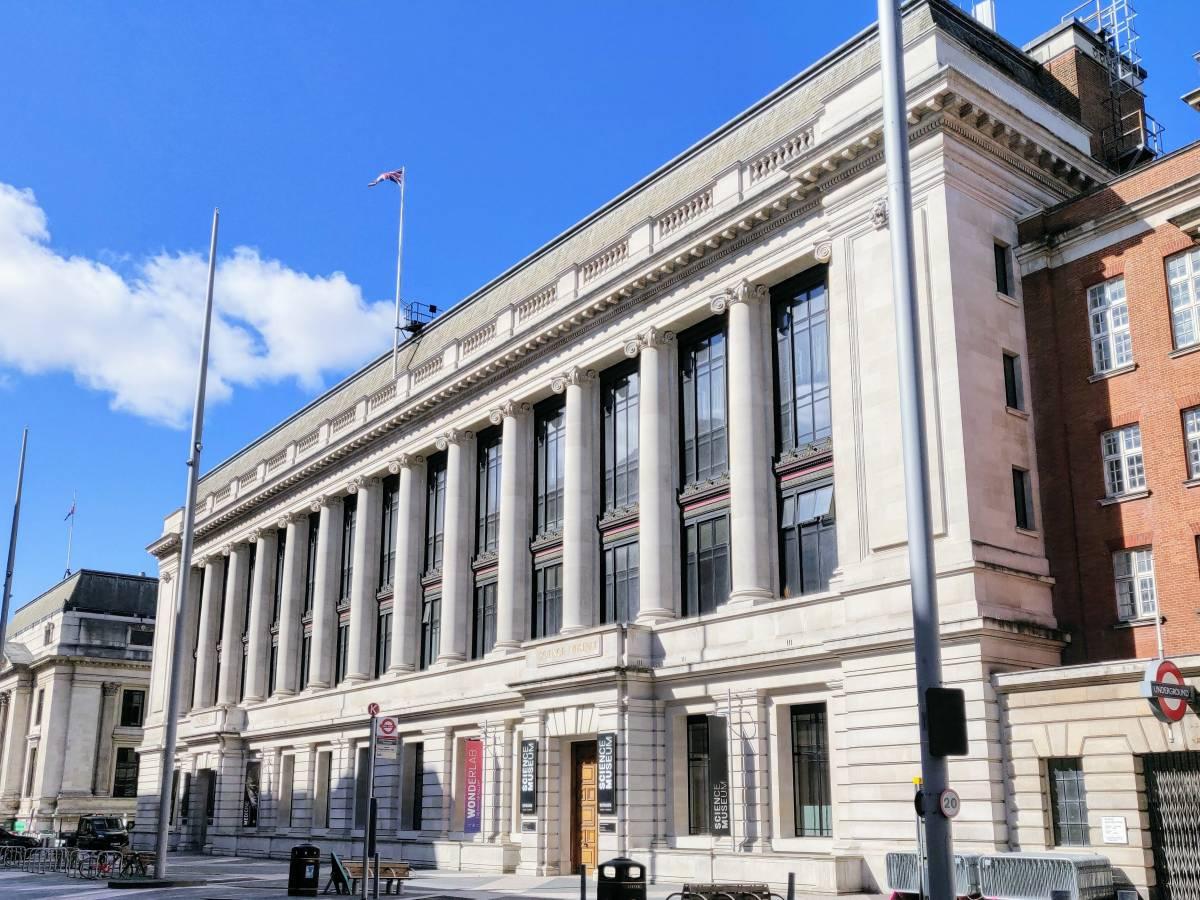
208,634
438,794
162,651
101,782
287,659
658,511
262,598
580,537
406,581
365,582
512,587
751,487
324,614
238,561
57,717
191,626
12,751
459,542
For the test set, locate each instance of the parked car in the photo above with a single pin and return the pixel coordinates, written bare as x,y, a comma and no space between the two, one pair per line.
98,833
12,839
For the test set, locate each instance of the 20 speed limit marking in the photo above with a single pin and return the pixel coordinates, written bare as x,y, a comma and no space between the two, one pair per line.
949,803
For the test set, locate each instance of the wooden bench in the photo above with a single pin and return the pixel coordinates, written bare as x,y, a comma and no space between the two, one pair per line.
346,874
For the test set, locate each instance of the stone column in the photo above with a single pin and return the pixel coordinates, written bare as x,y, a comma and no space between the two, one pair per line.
191,625
512,577
658,511
5,730
287,659
324,622
406,580
238,561
161,651
12,760
207,634
101,782
459,542
751,484
262,598
364,584
56,720
580,536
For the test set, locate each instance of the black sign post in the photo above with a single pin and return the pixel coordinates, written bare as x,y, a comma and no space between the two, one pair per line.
718,776
606,778
529,760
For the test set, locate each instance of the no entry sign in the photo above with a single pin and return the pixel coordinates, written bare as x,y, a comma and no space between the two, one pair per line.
1164,687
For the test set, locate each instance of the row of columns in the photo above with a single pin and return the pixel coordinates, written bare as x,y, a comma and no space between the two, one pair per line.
752,488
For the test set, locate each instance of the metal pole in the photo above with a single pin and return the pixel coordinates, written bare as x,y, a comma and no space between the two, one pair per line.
71,532
399,259
12,544
171,723
370,796
926,636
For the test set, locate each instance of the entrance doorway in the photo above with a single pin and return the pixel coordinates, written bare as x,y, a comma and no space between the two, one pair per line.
585,829
1173,796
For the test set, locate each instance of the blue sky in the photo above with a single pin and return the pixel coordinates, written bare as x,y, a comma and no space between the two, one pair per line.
124,124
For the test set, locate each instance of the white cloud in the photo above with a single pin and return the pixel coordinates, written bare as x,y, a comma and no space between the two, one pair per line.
137,337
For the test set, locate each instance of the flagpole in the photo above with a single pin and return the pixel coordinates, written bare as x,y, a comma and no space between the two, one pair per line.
71,532
12,544
171,722
399,260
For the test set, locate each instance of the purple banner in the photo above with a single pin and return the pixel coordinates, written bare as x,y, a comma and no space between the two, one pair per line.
473,786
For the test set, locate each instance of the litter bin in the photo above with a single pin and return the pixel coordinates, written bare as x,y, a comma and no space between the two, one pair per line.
621,879
304,873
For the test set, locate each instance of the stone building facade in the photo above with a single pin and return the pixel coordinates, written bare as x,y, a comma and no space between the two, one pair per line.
641,494
73,689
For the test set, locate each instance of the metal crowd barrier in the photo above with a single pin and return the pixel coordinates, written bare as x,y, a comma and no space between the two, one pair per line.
89,864
725,891
11,857
904,873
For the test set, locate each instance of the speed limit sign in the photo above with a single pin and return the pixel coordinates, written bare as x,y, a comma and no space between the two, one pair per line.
949,803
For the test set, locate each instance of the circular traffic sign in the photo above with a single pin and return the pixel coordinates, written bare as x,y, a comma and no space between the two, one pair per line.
1168,693
387,727
372,709
949,803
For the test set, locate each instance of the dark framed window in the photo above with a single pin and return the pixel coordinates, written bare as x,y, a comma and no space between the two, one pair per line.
807,539
706,563
223,600
362,788
550,438
305,654
697,775
1014,391
185,798
125,776
705,441
487,494
483,620
619,400
383,642
431,627
310,563
620,582
133,708
417,807
32,773
342,652
280,557
272,665
349,522
547,601
800,314
41,705
1003,269
811,799
1023,498
251,562
435,512
1068,802
387,531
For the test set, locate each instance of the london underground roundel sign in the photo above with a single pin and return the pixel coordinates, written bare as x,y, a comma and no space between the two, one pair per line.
1166,690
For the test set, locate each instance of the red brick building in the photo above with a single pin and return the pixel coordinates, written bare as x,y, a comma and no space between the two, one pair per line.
1111,286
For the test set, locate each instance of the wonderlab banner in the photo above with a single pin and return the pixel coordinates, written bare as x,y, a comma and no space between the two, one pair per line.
473,786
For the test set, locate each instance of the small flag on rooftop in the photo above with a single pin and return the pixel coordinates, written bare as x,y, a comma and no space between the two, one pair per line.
396,176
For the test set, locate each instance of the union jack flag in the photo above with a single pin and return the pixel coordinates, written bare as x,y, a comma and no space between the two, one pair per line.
396,176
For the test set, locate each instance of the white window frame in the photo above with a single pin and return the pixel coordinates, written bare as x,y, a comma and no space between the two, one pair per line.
1124,466
1191,437
1108,320
1133,574
1183,288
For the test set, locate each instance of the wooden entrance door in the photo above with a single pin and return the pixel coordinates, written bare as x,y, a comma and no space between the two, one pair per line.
585,830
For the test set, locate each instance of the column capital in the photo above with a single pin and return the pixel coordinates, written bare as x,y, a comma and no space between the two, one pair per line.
4,695
296,515
457,436
360,482
513,409
165,577
405,461
651,337
745,291
823,251
110,688
227,549
323,501
879,213
576,375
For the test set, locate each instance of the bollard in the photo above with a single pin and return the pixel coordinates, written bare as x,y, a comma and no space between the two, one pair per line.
791,895
583,882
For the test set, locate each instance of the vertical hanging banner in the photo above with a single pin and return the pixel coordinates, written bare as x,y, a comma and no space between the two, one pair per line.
529,755
718,776
473,786
250,795
606,773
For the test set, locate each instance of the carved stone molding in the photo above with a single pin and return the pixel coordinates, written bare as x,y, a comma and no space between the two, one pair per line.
165,578
110,688
405,461
651,337
823,252
4,699
456,436
357,483
513,409
227,550
879,213
745,291
574,376
319,502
